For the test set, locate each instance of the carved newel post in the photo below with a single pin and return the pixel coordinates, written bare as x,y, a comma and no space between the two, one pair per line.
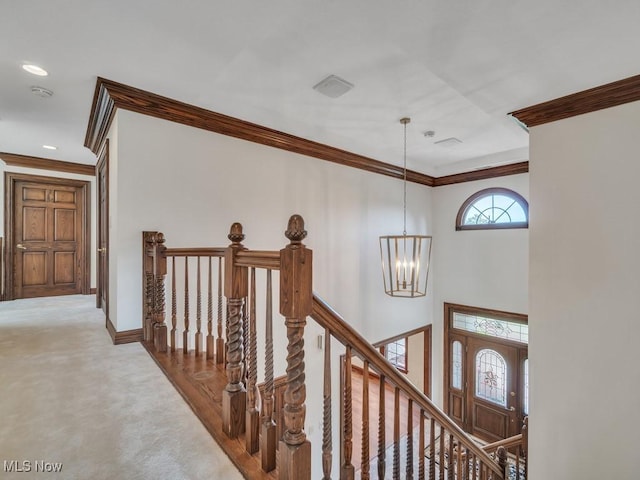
149,250
235,289
160,272
295,304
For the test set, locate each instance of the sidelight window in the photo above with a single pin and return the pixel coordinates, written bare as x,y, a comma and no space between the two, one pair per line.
456,365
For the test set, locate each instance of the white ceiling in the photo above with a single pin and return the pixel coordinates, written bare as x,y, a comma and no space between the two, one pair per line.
456,67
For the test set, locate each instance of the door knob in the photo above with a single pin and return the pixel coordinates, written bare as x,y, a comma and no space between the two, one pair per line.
102,250
513,409
21,247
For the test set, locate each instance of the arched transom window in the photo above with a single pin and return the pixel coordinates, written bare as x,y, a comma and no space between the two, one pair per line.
493,208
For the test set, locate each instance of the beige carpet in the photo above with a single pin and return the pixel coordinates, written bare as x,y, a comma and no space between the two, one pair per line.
67,395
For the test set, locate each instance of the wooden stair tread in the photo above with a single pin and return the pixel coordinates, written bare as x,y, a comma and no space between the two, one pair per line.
201,382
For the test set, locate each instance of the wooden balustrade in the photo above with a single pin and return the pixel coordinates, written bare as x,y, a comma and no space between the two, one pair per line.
423,443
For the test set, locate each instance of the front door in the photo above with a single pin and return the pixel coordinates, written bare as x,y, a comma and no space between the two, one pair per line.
493,393
102,180
48,236
486,370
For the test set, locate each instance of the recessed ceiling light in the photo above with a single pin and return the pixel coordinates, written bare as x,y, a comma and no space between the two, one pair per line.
36,70
49,147
333,86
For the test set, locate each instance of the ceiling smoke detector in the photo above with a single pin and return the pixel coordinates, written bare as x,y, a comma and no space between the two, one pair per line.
448,142
41,91
333,86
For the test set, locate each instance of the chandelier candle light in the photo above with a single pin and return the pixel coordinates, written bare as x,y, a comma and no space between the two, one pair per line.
405,258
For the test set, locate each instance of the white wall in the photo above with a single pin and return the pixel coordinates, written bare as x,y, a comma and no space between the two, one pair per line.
480,268
192,184
584,301
50,173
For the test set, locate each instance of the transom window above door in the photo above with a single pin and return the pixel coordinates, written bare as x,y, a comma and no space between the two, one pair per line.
493,208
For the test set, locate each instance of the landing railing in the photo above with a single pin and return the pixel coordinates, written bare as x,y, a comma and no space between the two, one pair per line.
425,443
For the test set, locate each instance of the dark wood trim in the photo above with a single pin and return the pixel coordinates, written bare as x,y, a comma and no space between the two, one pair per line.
410,333
10,181
110,95
92,291
483,174
591,100
126,336
14,159
1,269
493,226
103,162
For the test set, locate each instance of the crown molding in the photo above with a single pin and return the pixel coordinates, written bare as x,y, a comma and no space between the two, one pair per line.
598,98
47,164
110,96
483,174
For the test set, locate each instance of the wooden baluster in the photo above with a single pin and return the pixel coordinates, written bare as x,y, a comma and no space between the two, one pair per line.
364,459
382,430
396,434
252,422
432,450
348,470
185,332
518,453
459,460
326,409
220,346
209,354
268,436
501,453
234,396
525,446
159,325
450,472
198,313
149,284
174,319
421,448
441,465
409,466
296,297
464,456
245,341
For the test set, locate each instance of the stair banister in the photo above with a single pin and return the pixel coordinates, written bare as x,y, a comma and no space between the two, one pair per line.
326,317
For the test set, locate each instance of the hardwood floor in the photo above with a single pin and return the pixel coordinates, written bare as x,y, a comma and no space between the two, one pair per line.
201,382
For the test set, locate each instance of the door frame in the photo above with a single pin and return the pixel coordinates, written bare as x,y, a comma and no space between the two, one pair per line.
451,334
11,179
103,159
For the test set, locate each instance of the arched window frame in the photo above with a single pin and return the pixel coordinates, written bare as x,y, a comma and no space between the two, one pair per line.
492,226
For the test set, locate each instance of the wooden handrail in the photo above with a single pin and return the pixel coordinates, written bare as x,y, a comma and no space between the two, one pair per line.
195,252
507,443
258,259
326,317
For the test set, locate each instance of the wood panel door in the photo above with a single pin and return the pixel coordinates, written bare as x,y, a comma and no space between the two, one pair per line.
492,389
49,235
102,261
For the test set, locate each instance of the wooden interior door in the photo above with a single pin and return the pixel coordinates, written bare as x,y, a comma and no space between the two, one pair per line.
49,233
102,180
493,395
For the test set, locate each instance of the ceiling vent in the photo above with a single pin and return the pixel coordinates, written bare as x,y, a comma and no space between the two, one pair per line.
333,86
41,91
448,142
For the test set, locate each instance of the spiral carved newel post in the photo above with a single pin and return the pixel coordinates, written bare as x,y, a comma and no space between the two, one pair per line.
295,305
160,272
234,395
148,302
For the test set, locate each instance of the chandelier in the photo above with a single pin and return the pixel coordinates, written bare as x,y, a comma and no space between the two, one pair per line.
405,258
